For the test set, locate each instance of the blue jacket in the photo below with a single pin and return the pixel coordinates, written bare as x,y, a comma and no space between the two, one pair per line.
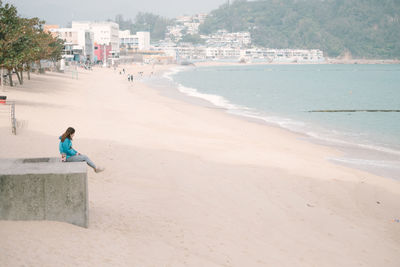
66,148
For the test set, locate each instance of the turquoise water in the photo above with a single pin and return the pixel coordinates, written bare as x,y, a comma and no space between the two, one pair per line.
283,94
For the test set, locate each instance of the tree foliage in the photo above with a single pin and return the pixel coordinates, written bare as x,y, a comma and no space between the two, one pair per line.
23,41
192,38
149,22
363,28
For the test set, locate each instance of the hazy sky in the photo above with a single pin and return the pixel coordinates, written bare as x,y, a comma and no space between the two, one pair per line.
63,11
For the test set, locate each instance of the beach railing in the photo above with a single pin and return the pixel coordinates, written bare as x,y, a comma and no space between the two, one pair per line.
73,69
10,109
13,119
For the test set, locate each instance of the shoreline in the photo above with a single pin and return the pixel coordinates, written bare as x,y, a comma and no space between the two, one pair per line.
191,186
353,155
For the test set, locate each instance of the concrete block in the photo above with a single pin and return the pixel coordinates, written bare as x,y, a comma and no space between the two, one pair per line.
44,189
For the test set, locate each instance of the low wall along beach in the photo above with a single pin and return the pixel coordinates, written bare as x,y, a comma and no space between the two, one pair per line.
44,189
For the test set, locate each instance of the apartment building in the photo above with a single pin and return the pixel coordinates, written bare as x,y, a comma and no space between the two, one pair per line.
284,55
139,41
222,52
174,33
80,43
232,39
105,33
128,40
143,40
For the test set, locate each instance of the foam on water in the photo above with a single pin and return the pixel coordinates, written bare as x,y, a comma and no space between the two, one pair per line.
287,123
328,136
173,71
216,100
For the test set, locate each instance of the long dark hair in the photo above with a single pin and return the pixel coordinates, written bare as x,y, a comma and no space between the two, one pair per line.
67,134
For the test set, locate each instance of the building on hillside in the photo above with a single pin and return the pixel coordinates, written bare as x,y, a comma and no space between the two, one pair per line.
79,43
222,52
184,53
283,55
223,38
197,18
174,33
200,18
192,27
183,19
187,53
185,25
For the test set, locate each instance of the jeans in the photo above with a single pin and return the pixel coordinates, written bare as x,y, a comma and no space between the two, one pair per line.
79,158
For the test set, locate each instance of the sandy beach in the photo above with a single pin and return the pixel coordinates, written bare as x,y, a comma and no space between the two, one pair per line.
187,185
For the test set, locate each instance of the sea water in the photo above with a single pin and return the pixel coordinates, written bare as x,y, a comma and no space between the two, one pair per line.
286,95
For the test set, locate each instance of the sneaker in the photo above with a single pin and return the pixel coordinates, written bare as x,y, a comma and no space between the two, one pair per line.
97,170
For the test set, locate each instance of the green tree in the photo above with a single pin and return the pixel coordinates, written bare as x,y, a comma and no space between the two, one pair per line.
154,24
9,37
192,38
26,46
364,28
22,42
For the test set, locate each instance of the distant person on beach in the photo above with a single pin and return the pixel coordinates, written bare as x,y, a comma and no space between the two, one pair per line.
71,155
129,77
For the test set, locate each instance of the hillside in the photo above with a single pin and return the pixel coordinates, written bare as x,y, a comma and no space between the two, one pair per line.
360,28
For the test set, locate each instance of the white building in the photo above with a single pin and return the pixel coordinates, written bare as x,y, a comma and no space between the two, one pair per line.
284,55
128,40
223,52
187,24
234,39
192,27
80,42
144,40
184,19
141,40
175,32
200,17
190,53
197,18
105,33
